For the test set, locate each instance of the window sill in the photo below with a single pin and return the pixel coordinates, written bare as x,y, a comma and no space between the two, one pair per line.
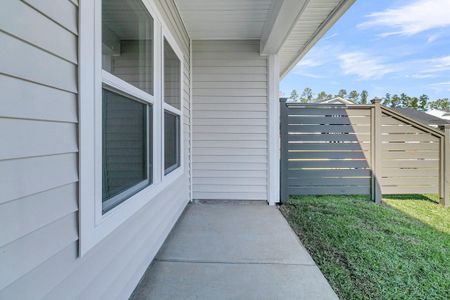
96,227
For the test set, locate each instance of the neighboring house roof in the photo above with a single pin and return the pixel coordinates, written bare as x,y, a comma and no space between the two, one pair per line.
422,117
285,27
336,100
439,113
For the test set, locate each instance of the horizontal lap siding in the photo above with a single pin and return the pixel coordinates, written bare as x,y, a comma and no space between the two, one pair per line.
229,121
410,159
39,165
38,130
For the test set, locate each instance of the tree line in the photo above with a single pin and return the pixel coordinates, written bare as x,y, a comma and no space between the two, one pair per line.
421,103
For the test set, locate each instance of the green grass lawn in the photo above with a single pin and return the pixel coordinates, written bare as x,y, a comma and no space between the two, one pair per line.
398,250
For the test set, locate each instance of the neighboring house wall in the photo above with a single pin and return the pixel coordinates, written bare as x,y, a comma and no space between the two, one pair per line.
39,165
230,120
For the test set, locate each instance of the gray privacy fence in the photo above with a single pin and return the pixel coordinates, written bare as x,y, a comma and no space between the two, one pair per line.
335,149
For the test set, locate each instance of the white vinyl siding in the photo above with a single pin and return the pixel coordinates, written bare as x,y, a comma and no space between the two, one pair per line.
230,120
39,165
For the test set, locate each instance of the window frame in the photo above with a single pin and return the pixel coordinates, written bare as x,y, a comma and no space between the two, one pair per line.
173,167
128,193
171,109
94,226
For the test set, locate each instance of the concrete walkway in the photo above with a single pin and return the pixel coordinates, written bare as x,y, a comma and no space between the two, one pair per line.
233,251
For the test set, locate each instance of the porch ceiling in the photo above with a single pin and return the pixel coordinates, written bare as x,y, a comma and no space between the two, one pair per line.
287,27
224,20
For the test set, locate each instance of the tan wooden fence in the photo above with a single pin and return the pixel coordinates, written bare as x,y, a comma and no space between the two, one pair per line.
360,149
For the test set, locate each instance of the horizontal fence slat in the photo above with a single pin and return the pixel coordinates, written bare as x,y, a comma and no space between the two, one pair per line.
300,111
410,163
399,129
329,128
409,146
422,137
392,172
329,164
329,137
301,182
330,190
329,146
329,155
328,173
325,120
328,120
400,181
410,154
410,190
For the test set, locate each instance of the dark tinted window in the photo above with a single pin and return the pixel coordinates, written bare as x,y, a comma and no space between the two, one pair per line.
171,141
126,167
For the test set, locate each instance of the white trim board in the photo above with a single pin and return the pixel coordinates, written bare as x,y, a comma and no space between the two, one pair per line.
273,131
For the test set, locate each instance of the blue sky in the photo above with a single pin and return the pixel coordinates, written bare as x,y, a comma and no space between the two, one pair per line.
381,46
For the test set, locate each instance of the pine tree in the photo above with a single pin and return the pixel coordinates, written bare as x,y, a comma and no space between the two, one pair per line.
395,101
441,104
387,100
423,102
414,103
354,95
294,95
342,93
405,100
322,96
306,96
364,97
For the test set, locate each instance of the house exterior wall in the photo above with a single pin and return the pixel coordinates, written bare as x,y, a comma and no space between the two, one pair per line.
230,120
39,165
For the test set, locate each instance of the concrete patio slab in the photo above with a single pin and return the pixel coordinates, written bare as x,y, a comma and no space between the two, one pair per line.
234,232
175,280
233,251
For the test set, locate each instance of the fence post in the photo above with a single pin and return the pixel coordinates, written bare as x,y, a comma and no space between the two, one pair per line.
376,150
284,193
444,181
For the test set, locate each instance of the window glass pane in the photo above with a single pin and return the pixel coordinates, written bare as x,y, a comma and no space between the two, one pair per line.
125,157
172,82
127,42
171,141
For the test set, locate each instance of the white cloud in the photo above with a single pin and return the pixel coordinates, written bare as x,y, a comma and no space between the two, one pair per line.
309,63
440,86
365,66
319,56
432,38
442,83
430,67
318,59
330,36
415,17
442,63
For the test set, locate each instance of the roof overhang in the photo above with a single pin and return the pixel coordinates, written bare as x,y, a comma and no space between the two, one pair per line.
314,20
285,27
284,14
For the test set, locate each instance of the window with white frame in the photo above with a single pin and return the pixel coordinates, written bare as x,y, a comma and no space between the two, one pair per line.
127,99
130,113
172,108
